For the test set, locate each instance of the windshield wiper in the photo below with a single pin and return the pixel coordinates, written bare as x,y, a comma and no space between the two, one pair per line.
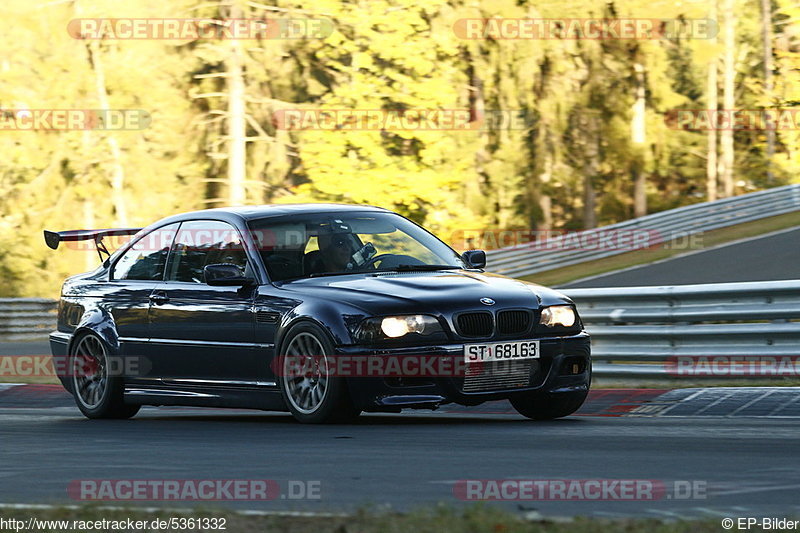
339,273
398,268
408,268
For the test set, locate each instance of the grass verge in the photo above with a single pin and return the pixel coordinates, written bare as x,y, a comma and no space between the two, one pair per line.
440,519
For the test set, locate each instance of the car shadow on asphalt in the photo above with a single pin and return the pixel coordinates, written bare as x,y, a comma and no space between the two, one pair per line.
155,416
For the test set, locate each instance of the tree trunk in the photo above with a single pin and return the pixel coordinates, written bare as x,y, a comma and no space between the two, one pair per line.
766,35
639,141
546,205
712,104
591,162
117,170
237,126
477,108
728,96
589,201
86,198
540,210
88,223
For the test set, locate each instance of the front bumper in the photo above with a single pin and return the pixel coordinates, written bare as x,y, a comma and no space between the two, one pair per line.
564,365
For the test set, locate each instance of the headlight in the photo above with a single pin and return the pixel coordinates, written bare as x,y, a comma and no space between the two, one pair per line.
558,315
397,326
392,327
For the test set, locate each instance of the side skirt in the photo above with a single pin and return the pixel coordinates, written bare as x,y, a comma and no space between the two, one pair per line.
258,396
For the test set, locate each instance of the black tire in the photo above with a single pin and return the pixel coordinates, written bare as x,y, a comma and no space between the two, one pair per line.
548,406
334,404
96,395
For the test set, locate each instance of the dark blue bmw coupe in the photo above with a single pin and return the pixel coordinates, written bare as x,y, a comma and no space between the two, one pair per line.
318,309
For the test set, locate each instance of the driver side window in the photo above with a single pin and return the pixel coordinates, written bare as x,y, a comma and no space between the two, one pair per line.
200,243
145,260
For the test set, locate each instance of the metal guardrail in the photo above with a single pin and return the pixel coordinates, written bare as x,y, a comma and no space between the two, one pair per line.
27,319
636,330
530,258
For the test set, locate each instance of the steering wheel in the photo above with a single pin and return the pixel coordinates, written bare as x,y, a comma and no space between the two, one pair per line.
279,260
371,261
398,259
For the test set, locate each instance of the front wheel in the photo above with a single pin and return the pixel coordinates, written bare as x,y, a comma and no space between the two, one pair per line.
313,393
549,406
97,393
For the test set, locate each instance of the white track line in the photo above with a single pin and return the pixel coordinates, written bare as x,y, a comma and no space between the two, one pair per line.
678,401
751,402
751,490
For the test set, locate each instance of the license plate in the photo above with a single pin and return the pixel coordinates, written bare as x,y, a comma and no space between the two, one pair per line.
501,351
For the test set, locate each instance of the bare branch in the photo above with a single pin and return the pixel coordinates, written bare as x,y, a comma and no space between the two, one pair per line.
275,9
212,75
210,95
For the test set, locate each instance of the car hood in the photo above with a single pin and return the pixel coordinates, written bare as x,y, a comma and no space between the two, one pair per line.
440,292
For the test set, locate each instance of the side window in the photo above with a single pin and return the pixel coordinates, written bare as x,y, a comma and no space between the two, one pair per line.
200,243
145,260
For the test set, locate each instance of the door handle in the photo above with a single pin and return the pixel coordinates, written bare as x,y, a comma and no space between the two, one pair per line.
159,298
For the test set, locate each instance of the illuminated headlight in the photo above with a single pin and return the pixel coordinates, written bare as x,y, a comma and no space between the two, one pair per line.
393,327
558,315
397,326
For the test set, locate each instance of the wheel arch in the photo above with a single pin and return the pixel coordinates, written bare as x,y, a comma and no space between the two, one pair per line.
100,323
283,331
330,316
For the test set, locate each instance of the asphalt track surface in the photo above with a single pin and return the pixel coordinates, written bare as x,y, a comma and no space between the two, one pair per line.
744,465
772,257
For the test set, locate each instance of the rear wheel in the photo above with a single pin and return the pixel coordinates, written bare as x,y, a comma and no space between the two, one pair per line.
97,393
549,406
311,392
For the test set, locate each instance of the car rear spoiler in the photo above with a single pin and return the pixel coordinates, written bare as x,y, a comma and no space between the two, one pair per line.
54,238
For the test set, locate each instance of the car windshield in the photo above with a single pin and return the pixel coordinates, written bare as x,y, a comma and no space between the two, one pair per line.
310,245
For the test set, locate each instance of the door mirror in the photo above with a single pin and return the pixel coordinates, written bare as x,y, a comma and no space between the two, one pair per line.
225,275
474,258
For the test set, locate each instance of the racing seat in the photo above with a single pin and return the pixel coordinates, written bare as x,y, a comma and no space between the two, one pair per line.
312,263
